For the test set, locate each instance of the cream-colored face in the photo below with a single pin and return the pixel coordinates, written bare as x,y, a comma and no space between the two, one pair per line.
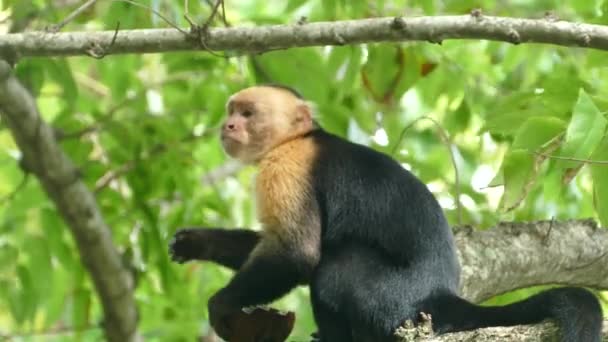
260,118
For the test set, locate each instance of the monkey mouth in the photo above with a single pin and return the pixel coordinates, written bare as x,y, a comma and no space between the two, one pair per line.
231,144
230,139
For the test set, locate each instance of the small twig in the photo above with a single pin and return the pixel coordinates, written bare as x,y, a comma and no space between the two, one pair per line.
545,238
589,161
200,31
449,145
99,52
213,13
57,27
187,15
155,12
226,23
112,175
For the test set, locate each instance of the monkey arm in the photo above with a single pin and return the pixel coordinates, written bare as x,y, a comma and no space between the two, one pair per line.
274,268
269,274
227,247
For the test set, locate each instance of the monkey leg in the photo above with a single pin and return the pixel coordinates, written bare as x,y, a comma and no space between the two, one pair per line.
360,295
331,326
227,247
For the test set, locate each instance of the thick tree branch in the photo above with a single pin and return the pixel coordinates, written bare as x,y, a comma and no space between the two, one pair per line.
517,255
57,174
523,333
264,38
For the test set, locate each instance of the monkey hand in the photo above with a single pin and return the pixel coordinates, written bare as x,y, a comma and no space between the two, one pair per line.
187,244
221,312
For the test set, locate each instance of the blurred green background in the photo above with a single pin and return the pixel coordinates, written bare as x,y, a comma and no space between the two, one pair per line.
143,130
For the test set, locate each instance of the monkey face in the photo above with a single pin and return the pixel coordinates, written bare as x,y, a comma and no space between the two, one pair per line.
248,130
260,118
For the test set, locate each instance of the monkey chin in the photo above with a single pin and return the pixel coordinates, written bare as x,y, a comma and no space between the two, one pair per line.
238,150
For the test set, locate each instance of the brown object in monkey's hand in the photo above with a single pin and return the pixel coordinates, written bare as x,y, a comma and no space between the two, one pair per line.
261,324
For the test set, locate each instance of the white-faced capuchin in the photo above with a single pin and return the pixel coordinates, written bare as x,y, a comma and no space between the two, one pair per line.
365,234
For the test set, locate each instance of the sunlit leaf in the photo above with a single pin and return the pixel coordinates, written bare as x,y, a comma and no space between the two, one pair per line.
585,131
518,168
537,131
8,257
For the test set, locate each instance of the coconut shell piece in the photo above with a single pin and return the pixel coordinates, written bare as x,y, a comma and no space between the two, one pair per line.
261,324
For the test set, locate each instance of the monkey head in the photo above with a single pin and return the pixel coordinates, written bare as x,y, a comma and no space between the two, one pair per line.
261,118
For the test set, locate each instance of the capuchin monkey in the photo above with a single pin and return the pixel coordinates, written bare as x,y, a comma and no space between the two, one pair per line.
365,234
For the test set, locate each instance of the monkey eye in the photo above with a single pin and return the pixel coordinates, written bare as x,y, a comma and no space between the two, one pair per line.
246,113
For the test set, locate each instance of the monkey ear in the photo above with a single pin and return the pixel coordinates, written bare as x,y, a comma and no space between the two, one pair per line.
304,112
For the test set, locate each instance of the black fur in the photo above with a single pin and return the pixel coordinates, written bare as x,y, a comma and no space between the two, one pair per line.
387,254
210,244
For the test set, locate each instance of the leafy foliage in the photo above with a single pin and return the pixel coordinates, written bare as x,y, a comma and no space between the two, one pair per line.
143,130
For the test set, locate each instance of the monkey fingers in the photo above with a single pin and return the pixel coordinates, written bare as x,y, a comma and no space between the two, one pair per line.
186,245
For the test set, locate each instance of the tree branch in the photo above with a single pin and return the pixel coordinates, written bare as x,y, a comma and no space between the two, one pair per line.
264,38
521,333
516,255
511,256
60,179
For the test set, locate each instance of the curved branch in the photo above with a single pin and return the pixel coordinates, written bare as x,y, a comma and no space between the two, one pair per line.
511,256
264,38
57,174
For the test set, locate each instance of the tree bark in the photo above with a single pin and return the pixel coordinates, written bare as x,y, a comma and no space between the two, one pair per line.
43,156
511,256
545,332
265,38
516,255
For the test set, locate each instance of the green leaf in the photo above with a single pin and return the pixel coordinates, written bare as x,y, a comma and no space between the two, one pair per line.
604,9
585,131
552,186
561,90
599,174
59,70
345,63
31,73
292,5
518,170
330,8
8,257
304,69
27,297
40,261
507,113
458,120
390,71
80,307
537,131
55,228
